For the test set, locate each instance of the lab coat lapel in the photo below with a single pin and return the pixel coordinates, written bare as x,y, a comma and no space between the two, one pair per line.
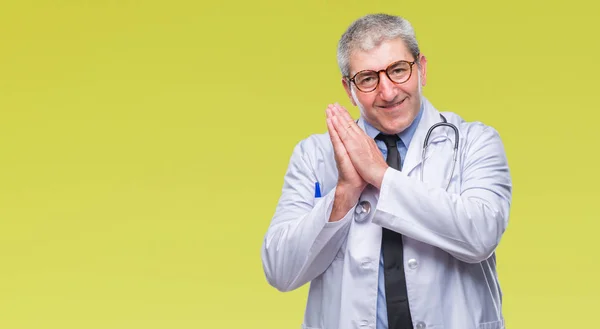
430,117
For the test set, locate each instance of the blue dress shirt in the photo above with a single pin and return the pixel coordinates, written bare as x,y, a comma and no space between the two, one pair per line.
403,143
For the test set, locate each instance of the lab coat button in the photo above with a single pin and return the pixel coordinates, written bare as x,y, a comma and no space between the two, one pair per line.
362,210
420,325
364,323
412,264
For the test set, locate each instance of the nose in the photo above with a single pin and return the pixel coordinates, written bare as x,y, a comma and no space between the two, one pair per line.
387,88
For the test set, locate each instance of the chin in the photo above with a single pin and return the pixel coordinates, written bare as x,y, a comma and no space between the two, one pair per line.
390,122
396,126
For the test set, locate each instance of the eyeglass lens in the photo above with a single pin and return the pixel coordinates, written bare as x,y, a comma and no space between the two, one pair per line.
398,72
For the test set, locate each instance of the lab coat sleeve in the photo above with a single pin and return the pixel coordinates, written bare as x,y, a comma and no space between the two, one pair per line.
300,242
468,225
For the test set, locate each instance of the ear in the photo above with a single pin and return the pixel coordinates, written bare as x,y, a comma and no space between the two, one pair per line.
347,87
423,71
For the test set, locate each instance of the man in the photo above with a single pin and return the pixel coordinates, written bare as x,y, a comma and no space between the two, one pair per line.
388,236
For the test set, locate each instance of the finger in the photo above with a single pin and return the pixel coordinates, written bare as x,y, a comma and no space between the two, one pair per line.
338,146
350,123
346,115
341,127
346,133
346,129
343,112
331,108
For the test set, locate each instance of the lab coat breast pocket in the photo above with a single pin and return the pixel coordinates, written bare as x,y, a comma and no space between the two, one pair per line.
439,168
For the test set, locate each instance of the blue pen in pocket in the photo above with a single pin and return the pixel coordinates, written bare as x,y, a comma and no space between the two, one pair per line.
314,169
317,190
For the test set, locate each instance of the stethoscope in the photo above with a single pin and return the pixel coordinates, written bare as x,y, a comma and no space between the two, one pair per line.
426,145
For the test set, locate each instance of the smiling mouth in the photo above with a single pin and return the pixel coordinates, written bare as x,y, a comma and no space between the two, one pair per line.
393,105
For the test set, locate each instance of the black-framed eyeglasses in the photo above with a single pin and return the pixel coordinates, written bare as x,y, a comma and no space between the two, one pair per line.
398,72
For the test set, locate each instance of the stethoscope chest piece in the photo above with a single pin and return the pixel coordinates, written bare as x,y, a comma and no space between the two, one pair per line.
362,211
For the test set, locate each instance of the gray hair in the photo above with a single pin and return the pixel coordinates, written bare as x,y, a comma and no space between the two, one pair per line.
370,31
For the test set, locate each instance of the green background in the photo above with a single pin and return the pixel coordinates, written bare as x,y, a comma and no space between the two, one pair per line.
143,146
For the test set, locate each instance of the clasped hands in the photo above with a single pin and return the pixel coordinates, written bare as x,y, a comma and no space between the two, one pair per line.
359,161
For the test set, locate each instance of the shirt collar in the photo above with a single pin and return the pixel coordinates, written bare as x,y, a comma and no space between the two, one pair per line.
406,135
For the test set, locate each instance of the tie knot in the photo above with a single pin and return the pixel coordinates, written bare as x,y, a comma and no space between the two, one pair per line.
389,140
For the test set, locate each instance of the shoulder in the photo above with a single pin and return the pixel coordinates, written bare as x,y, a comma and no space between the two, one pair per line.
479,143
472,132
313,146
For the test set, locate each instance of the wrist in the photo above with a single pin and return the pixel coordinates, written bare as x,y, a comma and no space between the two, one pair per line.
348,192
345,198
378,175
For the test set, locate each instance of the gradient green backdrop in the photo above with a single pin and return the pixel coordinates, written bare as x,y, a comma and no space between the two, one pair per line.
143,146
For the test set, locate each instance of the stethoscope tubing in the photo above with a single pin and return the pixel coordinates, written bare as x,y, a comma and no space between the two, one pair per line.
455,151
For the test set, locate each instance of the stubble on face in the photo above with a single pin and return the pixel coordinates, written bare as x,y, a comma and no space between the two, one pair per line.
390,108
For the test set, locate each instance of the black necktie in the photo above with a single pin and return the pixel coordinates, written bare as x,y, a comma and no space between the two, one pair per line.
393,263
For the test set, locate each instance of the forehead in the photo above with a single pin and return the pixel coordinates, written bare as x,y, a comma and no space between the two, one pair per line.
379,57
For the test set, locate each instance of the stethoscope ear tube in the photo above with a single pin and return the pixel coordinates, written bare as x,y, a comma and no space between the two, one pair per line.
426,142
445,123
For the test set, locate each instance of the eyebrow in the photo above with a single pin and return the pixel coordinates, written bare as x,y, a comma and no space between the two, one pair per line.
393,62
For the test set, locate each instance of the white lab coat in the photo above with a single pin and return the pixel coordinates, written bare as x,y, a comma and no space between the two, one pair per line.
450,236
